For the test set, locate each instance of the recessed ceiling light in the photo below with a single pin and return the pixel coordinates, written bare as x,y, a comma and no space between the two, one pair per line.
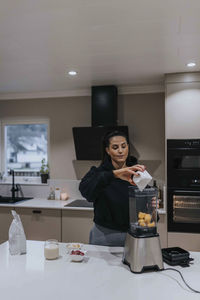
72,73
191,64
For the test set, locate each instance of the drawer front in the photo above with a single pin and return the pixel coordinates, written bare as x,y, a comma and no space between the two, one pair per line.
41,224
187,241
76,225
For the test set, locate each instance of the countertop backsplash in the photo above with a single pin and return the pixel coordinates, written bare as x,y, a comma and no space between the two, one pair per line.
43,190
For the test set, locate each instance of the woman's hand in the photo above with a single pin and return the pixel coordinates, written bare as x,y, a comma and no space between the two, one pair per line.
128,173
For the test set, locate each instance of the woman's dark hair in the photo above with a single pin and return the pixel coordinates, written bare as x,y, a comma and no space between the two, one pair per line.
106,142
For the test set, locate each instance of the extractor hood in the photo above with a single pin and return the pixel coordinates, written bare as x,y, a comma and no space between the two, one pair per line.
87,140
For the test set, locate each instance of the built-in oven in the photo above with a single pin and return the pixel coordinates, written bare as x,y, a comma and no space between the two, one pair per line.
183,210
183,185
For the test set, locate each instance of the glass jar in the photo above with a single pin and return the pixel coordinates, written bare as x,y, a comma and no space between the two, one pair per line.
51,249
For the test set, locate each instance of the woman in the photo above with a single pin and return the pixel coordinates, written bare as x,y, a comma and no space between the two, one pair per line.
107,187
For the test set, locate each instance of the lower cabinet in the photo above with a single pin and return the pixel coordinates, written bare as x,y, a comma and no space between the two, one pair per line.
187,241
41,224
5,221
76,225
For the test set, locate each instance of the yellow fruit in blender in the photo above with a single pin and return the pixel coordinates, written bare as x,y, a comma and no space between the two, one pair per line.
141,215
147,218
151,224
142,224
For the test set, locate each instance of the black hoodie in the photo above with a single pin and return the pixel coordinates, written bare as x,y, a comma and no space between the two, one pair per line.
109,196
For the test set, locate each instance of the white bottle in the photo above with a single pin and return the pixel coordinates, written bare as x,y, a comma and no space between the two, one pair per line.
57,194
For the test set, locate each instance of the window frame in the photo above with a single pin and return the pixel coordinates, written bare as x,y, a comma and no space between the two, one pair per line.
17,121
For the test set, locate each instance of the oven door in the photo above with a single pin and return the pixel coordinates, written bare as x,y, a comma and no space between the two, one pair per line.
184,210
183,168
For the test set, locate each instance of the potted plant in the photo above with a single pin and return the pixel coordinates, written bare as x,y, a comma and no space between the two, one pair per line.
44,171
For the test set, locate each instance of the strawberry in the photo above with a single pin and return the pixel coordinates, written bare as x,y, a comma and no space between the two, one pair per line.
77,252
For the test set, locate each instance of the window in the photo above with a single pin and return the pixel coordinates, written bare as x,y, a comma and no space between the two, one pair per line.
25,145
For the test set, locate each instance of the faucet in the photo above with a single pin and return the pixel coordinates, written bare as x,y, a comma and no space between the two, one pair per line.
18,186
14,188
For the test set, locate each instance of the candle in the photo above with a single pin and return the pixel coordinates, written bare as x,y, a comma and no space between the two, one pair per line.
63,196
51,249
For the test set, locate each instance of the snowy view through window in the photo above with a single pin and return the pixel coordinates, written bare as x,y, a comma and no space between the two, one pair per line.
25,147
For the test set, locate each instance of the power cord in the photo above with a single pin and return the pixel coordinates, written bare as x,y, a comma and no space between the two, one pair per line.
172,269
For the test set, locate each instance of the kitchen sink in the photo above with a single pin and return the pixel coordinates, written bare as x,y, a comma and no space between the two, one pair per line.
13,200
79,203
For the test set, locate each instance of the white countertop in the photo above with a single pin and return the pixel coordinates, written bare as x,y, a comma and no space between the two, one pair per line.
101,276
44,203
51,204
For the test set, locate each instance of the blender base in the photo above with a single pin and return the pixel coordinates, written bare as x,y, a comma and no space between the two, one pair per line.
143,253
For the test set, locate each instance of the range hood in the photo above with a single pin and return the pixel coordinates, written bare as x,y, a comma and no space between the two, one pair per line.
87,140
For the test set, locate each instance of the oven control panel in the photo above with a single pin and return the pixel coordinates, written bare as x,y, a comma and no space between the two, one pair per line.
196,181
187,143
192,143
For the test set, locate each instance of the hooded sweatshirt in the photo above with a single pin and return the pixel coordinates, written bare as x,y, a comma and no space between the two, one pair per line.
109,196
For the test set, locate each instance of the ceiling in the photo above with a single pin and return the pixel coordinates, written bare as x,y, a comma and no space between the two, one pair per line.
129,43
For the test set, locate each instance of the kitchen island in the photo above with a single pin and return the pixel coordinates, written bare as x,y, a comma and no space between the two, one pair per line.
101,276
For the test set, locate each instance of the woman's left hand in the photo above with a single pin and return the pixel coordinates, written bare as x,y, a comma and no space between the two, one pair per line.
128,173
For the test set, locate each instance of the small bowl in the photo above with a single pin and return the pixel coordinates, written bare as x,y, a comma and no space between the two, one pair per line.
74,246
77,257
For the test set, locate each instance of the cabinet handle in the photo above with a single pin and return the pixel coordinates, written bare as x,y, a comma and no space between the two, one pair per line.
35,211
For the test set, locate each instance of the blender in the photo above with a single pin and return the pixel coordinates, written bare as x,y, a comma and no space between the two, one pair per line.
142,249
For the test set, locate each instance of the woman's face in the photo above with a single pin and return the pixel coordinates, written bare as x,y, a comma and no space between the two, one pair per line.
118,149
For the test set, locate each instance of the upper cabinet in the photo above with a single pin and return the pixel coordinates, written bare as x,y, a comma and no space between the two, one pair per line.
182,105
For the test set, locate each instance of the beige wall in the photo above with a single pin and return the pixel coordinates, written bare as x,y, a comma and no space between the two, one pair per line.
144,114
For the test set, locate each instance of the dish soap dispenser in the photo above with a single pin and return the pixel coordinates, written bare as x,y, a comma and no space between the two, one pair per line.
51,194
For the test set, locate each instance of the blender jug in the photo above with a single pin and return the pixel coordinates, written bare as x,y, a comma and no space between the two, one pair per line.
143,211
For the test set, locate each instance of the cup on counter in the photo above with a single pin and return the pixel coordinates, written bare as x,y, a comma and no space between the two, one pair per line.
51,249
57,194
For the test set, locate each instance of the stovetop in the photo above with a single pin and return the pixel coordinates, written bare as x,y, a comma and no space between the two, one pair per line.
79,203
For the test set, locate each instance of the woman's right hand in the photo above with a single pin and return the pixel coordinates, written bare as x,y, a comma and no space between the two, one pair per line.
128,173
